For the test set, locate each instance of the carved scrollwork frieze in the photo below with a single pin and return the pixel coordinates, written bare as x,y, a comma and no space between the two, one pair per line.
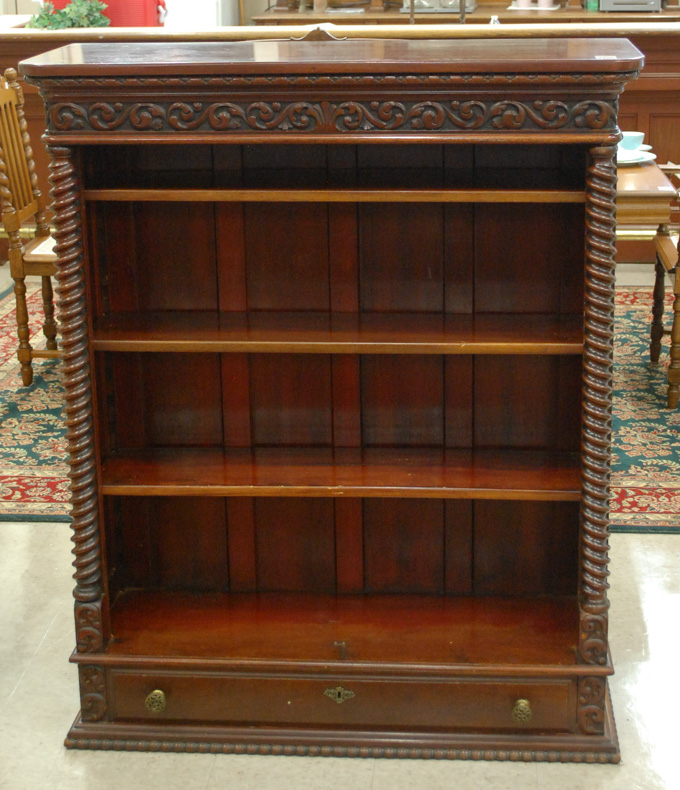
334,117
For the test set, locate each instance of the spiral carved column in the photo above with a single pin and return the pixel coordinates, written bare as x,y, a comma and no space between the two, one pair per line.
78,397
597,426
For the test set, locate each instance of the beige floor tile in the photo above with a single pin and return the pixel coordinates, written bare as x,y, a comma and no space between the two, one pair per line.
246,772
19,547
35,593
89,770
450,774
26,760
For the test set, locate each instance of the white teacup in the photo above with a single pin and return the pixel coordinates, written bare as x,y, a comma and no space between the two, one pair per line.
632,140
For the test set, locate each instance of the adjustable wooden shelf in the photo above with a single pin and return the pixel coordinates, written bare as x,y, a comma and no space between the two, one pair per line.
337,328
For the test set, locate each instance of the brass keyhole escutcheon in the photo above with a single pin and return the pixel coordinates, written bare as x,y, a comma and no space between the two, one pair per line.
155,702
521,713
339,694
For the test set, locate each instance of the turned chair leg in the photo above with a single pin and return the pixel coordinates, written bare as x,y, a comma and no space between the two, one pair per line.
674,369
50,325
657,311
24,352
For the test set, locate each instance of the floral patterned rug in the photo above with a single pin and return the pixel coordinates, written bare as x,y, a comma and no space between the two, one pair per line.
646,451
646,458
33,485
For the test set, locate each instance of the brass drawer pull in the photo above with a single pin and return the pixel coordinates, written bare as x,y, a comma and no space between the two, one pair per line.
339,694
521,713
155,702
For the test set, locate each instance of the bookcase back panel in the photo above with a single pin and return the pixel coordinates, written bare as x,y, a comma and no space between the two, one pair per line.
374,257
528,258
177,400
152,246
402,401
401,263
526,548
404,165
527,401
291,400
404,546
295,545
173,543
320,545
515,160
321,400
286,248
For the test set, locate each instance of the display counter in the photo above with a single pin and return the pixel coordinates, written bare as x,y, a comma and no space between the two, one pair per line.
377,13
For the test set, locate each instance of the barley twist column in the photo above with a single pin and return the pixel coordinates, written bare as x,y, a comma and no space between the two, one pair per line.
597,427
78,397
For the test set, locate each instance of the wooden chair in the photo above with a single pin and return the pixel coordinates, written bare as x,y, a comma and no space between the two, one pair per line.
22,202
667,251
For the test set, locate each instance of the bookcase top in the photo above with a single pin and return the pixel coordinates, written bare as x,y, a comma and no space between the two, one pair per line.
478,56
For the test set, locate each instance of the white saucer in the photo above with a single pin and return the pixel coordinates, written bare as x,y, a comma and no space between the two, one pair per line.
627,153
514,7
634,158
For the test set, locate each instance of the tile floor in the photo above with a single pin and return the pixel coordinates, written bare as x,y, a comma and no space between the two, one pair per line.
38,689
38,694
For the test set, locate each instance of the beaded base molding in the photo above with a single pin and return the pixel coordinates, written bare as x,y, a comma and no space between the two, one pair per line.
563,748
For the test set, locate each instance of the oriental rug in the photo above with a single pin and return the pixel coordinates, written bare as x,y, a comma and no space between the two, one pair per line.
646,451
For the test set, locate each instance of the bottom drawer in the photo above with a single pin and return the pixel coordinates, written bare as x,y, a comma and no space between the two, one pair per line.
334,701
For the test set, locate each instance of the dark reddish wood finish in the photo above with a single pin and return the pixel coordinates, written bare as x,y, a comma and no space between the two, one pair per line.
340,441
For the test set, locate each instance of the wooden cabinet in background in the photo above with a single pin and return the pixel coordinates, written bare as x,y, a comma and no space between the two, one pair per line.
338,355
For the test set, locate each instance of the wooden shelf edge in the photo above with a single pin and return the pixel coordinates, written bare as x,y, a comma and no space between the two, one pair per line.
339,195
336,347
365,668
345,472
339,333
362,492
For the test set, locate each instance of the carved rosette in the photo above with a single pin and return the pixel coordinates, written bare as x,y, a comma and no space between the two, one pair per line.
78,399
92,692
597,395
333,117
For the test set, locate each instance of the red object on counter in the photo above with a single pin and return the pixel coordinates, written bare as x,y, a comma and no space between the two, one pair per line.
129,13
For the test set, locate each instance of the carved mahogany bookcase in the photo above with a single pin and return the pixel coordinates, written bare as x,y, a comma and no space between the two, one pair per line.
337,331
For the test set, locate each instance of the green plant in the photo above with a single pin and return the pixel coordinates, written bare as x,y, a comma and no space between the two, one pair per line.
78,13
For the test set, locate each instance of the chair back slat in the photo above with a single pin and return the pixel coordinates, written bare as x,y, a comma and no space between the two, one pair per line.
12,156
23,177
15,171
